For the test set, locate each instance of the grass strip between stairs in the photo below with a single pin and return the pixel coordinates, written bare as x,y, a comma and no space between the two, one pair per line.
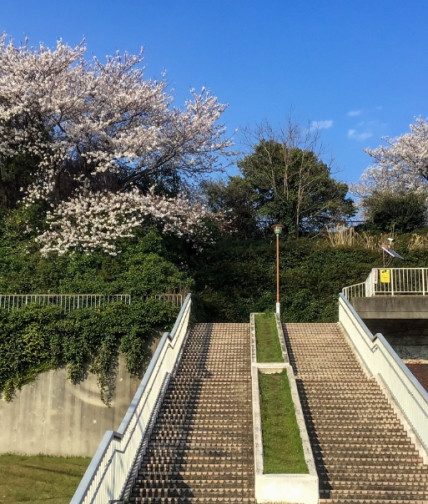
268,346
282,445
40,478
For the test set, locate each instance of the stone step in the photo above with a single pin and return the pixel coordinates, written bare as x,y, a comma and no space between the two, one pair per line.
192,445
347,389
167,431
194,384
369,458
200,459
393,494
196,424
193,493
192,467
321,395
377,467
345,403
202,416
388,437
365,451
174,454
192,475
375,484
142,485
315,368
368,500
211,406
194,500
323,428
181,438
401,472
357,416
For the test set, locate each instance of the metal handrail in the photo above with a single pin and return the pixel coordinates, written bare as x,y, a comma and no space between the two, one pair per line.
390,282
107,475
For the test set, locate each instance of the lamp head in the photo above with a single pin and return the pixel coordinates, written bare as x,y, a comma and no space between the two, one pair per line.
277,228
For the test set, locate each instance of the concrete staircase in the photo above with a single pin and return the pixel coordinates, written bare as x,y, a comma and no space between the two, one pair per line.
362,452
201,447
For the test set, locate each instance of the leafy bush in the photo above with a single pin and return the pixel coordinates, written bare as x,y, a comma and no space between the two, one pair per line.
36,338
391,211
237,277
142,268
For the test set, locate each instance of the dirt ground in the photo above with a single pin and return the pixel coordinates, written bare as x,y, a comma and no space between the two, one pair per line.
420,371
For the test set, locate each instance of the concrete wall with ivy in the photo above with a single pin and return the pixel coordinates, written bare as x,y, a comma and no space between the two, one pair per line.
54,417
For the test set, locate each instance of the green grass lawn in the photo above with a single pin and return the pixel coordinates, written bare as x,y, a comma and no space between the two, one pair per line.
267,342
282,445
40,479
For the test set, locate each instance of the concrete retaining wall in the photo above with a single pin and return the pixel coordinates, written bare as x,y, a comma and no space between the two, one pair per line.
54,417
391,307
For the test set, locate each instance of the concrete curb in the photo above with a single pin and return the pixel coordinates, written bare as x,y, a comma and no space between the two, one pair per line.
291,488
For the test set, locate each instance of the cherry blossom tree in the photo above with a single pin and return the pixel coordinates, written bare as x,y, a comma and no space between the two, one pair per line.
97,135
400,165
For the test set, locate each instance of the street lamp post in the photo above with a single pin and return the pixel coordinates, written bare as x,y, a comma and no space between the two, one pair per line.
277,228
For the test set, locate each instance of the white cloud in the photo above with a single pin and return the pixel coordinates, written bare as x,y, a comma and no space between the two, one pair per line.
354,113
318,125
359,136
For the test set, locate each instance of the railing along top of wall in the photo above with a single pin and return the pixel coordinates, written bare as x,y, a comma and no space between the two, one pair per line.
390,282
75,301
67,302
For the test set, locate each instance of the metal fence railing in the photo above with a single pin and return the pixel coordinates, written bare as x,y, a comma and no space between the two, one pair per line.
391,282
68,302
175,299
356,290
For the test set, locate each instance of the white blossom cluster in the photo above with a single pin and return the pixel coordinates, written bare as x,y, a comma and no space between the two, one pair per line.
96,220
88,123
401,165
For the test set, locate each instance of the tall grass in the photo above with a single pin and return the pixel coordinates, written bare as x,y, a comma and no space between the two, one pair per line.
418,241
343,236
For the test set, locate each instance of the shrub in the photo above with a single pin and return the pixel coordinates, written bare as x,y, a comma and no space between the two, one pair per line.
401,212
36,338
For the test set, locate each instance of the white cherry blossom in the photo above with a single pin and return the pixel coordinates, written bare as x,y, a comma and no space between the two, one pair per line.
400,165
97,131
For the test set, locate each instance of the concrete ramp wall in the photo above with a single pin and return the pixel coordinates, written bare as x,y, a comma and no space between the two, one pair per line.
391,307
54,417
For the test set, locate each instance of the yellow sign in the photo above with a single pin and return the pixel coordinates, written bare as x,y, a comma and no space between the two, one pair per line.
385,276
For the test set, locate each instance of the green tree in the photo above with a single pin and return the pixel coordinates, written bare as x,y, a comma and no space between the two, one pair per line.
293,186
392,211
237,199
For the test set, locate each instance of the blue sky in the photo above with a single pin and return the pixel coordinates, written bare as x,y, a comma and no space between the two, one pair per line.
357,68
